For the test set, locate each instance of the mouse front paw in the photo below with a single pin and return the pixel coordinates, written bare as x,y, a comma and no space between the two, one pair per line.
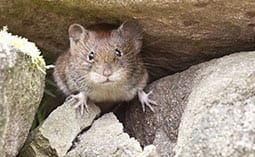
145,100
81,101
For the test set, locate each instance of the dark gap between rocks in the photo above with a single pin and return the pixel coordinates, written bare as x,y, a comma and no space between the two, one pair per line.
76,140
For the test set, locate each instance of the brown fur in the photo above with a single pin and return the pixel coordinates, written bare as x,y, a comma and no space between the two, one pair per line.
74,72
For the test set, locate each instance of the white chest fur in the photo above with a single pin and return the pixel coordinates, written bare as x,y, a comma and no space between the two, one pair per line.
111,93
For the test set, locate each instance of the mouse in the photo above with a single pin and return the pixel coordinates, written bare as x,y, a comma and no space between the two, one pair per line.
104,65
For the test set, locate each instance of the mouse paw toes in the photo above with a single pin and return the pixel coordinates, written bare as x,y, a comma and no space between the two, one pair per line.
81,102
146,101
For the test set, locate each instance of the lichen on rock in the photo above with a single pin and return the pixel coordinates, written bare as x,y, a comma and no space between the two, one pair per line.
21,86
9,42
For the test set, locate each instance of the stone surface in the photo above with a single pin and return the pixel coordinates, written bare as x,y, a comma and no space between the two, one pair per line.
178,34
216,93
220,113
58,132
161,127
21,86
223,130
65,133
106,138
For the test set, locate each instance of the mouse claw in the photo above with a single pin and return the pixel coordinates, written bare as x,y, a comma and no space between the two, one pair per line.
68,98
145,100
81,102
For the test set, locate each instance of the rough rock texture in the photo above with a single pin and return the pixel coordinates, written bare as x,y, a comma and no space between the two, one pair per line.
106,139
177,33
66,133
21,90
161,127
220,113
58,132
218,120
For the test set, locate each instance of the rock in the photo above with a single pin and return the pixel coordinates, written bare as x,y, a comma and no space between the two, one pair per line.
217,119
21,90
222,130
178,34
161,127
106,138
58,132
65,133
220,113
149,151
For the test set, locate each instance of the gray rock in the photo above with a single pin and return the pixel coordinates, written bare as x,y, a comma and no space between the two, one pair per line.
161,127
58,132
21,90
220,113
177,32
106,139
66,133
216,93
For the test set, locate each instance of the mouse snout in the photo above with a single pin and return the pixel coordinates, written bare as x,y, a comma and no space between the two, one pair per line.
107,71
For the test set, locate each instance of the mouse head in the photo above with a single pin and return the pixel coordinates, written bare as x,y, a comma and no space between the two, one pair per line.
107,56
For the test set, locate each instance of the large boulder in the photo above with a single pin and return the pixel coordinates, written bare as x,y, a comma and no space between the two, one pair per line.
220,113
217,99
21,90
177,33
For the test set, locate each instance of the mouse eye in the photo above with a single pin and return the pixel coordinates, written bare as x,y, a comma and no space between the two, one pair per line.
91,55
117,53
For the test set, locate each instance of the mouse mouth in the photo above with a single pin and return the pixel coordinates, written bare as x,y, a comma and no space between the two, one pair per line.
103,80
107,81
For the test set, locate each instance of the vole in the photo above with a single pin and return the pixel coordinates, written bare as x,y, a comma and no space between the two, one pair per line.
104,65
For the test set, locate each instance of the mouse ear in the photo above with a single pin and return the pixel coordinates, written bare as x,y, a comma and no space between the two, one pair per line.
132,30
77,32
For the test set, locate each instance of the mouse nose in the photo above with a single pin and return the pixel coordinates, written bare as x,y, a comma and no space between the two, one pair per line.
107,72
